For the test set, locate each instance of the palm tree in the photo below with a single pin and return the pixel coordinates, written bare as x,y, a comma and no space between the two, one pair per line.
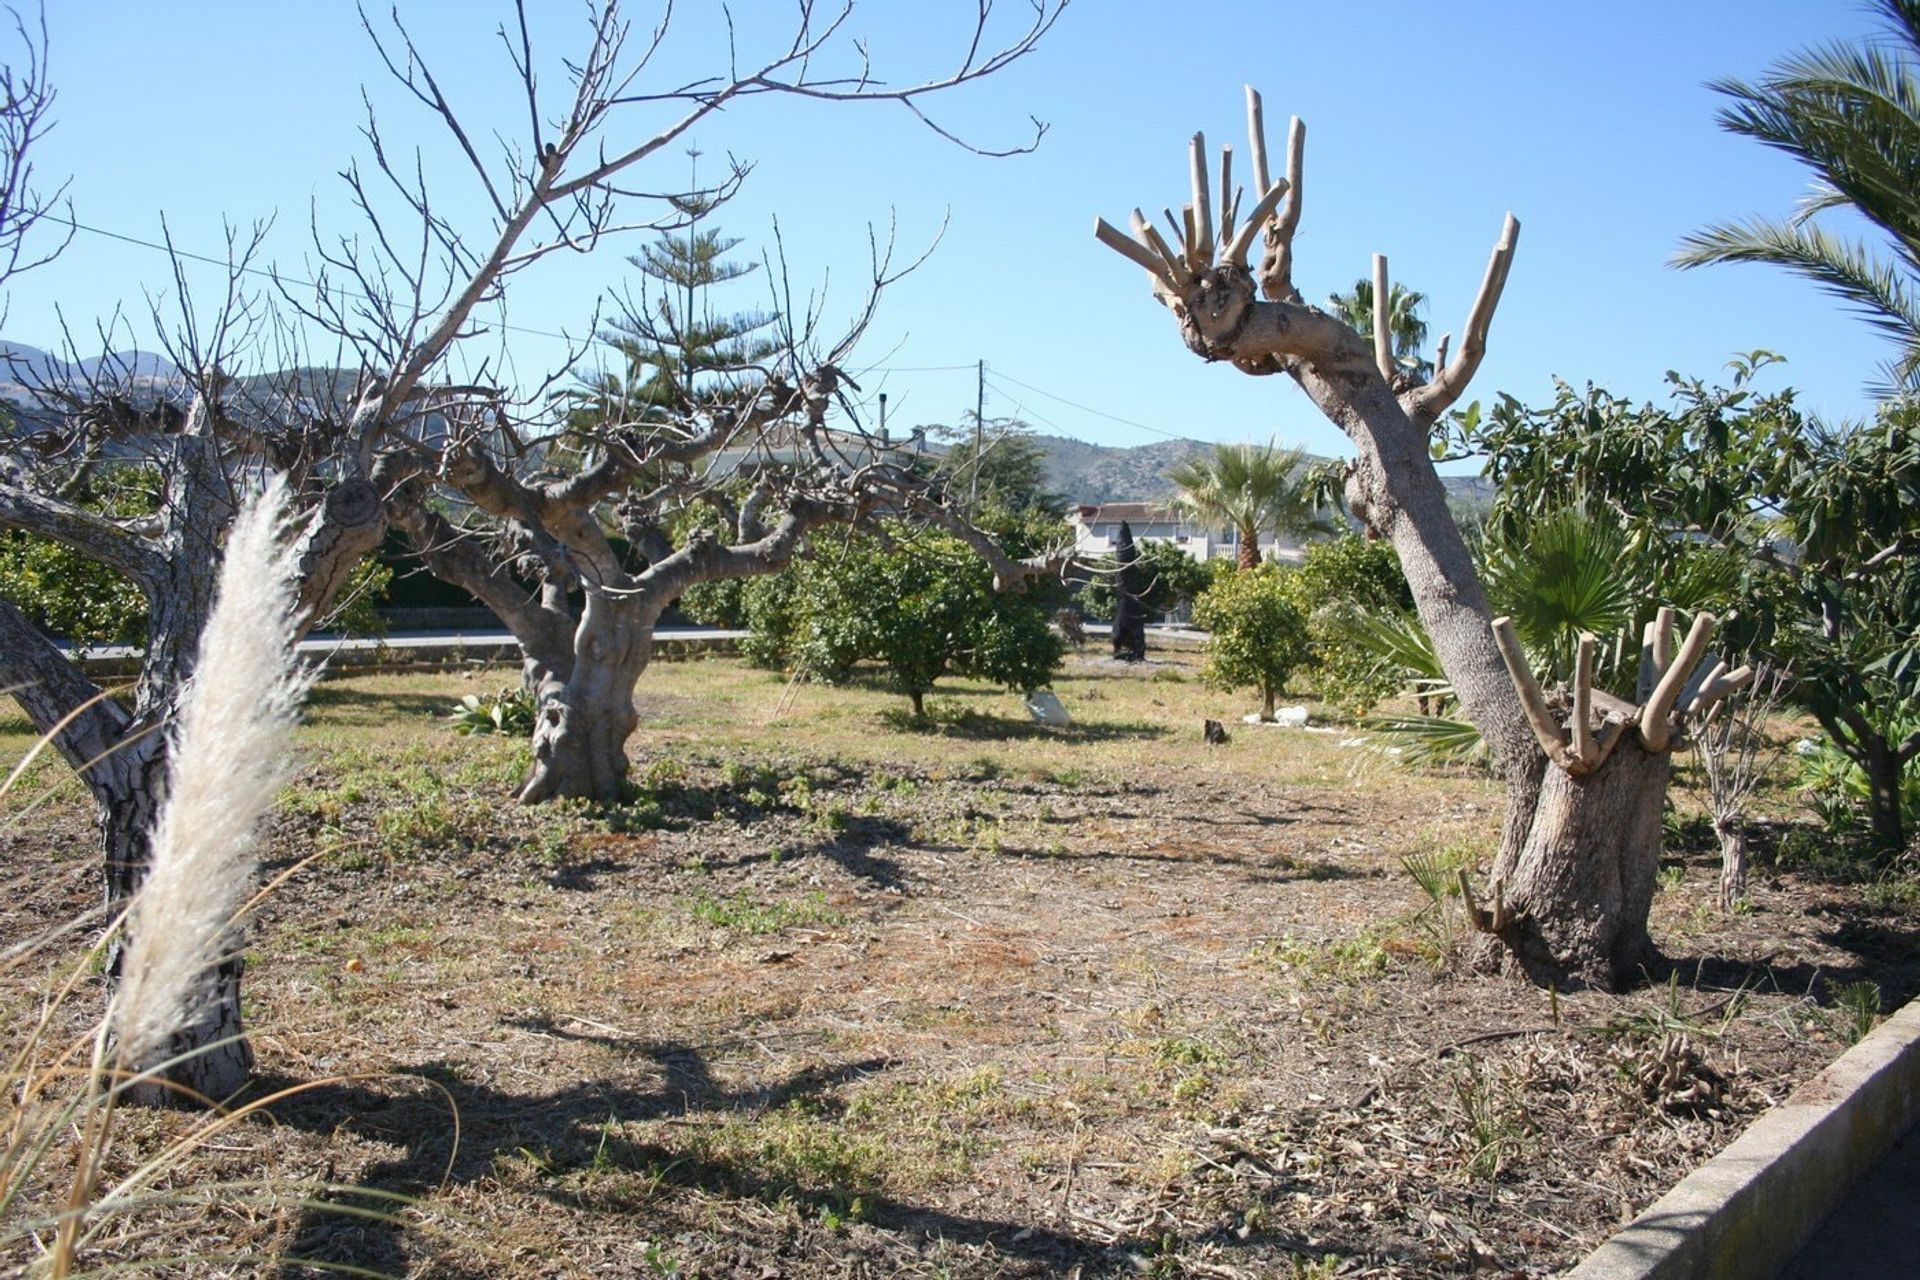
1250,488
1404,325
1853,117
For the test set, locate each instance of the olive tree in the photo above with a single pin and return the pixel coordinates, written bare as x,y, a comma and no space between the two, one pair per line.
1586,772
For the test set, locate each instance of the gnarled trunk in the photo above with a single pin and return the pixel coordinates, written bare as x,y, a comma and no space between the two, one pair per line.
209,1059
1576,885
584,718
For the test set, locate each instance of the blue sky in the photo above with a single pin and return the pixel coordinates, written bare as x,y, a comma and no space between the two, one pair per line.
1592,123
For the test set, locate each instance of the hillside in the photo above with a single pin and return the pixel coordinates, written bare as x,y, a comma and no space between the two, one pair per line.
1086,474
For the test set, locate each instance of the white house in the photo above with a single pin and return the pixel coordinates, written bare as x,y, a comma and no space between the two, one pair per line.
1097,528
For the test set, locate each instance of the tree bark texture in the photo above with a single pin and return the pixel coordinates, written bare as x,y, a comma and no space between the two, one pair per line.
1578,886
584,718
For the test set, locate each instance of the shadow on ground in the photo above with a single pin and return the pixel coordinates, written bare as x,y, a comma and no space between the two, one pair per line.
563,1134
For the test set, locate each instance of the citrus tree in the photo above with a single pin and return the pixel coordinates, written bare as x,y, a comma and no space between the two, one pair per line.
1259,635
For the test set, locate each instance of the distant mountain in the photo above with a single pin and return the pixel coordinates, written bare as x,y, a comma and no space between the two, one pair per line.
1089,474
22,366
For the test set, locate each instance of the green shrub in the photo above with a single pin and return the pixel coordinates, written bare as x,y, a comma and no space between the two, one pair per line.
1837,789
921,606
1259,633
510,711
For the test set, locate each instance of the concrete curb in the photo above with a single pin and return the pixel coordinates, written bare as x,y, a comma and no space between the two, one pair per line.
1746,1212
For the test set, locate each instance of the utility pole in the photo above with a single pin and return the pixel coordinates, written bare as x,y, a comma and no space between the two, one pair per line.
883,419
979,426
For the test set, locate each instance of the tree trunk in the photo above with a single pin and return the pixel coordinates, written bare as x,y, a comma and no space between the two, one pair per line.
1883,769
584,719
210,1057
1268,696
1576,888
1733,860
918,698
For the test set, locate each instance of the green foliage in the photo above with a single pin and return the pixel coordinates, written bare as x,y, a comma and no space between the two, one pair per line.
357,611
1172,576
509,711
1838,790
1343,586
721,602
1259,635
1405,328
64,592
1253,488
1565,573
678,351
921,607
1011,479
1800,535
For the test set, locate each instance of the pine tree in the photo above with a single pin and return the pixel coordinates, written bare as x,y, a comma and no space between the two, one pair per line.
678,350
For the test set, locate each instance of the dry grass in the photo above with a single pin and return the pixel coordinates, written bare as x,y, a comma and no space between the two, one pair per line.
835,997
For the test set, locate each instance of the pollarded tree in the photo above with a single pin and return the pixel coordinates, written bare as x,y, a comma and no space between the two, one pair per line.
360,444
1573,881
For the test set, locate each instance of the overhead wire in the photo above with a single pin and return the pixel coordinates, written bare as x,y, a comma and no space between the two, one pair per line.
993,376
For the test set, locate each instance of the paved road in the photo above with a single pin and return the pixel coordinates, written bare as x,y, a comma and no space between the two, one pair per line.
1875,1233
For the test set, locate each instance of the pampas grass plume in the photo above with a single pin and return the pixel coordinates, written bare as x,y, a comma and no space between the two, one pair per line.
230,752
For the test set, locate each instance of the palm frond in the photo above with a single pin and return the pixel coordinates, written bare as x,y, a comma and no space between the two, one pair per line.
1426,740
1568,573
1845,269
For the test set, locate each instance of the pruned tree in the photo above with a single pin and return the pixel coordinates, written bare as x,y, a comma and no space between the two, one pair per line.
1736,757
1583,828
365,442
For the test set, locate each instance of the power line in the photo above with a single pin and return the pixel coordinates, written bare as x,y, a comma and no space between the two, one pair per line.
277,277
1075,404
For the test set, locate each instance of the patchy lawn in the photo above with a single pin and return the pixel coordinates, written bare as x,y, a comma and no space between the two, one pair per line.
837,995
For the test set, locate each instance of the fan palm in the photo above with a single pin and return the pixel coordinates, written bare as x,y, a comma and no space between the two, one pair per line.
1250,488
1404,325
1852,115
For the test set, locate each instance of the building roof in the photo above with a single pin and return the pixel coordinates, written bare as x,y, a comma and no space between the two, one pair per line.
1110,512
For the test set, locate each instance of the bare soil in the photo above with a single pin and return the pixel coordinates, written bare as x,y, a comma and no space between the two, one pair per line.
842,996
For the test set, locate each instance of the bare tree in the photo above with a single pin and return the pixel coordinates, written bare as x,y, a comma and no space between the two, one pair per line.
26,113
400,299
1573,881
1737,757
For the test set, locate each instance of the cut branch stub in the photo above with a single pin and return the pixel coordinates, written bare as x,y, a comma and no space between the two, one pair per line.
1552,738
1577,748
1382,332
1656,721
1200,245
1450,380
